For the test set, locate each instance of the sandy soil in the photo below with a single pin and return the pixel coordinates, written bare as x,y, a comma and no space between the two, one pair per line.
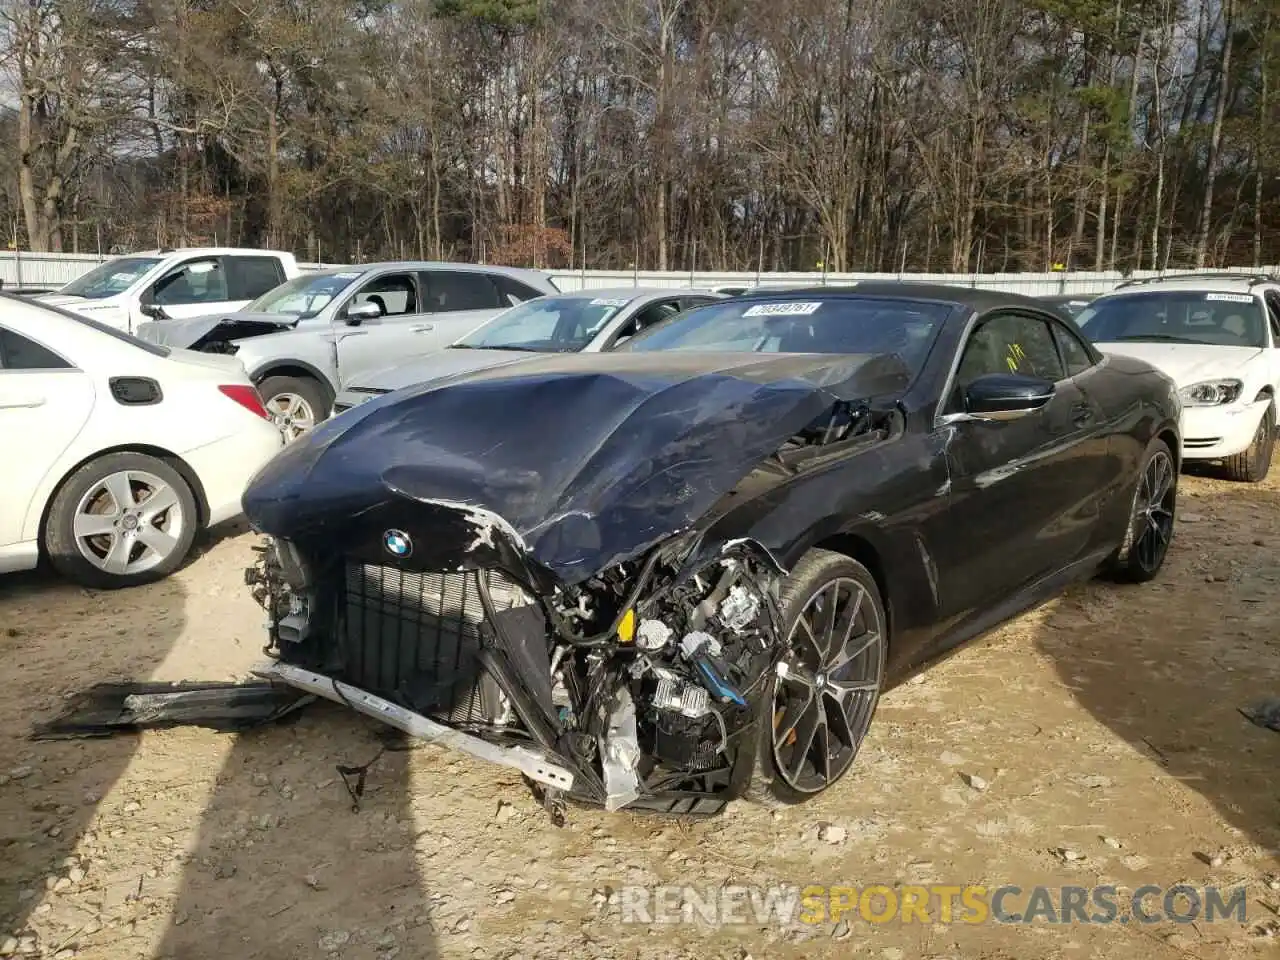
1105,724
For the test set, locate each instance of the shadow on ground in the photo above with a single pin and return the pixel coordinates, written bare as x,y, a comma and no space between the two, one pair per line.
61,638
1168,664
280,843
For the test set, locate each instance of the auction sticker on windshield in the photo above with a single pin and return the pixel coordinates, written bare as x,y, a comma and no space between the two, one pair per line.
782,310
606,302
1230,297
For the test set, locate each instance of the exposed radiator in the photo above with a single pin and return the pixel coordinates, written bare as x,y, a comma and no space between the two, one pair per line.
413,637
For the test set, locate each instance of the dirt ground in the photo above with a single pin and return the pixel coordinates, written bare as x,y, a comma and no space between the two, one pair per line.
1105,724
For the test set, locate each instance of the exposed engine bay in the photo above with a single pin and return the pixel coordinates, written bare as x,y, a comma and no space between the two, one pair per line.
651,694
223,337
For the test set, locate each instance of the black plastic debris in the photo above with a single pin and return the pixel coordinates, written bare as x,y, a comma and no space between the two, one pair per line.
1265,714
107,709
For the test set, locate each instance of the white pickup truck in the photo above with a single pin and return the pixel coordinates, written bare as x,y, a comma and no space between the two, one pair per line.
188,282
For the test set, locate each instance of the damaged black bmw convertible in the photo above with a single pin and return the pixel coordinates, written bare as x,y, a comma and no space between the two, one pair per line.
682,573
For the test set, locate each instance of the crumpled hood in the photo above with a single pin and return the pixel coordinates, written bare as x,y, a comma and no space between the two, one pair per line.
589,459
1187,363
446,362
188,330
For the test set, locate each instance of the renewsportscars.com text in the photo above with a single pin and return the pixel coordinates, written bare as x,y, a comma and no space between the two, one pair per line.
785,905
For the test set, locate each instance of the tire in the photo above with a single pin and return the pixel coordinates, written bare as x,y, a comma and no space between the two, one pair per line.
1252,464
296,404
94,540
1151,519
780,776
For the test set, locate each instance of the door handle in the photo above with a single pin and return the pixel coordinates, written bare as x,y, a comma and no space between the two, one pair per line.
18,402
1082,413
423,328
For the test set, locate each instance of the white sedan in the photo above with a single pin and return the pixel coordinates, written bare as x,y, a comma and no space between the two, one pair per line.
1218,337
117,451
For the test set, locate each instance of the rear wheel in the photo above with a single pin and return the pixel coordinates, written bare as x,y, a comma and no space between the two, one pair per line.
1252,464
1150,518
296,404
121,520
816,709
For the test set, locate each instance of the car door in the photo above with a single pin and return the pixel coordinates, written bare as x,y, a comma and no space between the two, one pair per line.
395,333
512,291
44,403
191,288
461,300
1023,492
249,277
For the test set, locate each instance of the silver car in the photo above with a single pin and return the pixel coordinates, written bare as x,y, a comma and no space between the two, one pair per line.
303,340
588,321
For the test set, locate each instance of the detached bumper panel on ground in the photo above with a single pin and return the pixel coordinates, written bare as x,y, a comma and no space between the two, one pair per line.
527,762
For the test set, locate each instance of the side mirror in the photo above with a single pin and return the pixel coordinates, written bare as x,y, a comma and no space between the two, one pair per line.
152,310
360,312
1006,396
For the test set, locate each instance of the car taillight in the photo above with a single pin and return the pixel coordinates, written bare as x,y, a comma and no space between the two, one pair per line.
247,397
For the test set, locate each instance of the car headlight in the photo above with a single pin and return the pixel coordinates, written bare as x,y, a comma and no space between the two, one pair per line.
1211,393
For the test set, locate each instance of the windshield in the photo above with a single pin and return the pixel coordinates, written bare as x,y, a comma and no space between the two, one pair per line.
1176,316
852,325
151,348
546,325
303,296
110,278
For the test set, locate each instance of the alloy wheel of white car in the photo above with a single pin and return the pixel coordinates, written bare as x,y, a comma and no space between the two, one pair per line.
129,522
292,414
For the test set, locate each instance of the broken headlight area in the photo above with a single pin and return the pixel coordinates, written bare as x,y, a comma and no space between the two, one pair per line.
640,687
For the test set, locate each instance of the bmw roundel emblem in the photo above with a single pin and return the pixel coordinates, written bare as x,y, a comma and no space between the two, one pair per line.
397,543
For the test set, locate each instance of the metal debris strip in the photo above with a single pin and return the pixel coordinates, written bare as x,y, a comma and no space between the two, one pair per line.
108,709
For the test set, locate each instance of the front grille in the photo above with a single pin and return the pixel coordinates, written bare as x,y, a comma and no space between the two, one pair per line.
1198,443
413,638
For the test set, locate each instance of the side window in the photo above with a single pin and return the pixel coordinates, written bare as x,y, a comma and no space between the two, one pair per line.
688,303
513,291
19,353
1009,343
646,318
248,278
1074,353
196,281
461,290
394,293
1273,314
656,313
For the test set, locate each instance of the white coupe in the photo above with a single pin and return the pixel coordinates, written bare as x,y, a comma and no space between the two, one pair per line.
117,451
1218,337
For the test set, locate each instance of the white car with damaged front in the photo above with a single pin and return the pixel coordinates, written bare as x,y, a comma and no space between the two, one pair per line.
1218,338
118,451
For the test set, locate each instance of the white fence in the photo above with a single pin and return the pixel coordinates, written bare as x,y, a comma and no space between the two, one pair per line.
54,269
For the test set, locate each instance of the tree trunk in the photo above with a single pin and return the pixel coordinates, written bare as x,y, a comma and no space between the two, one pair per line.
275,203
1215,138
1264,96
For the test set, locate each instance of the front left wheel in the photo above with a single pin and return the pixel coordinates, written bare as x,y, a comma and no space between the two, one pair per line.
1252,464
121,520
817,707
